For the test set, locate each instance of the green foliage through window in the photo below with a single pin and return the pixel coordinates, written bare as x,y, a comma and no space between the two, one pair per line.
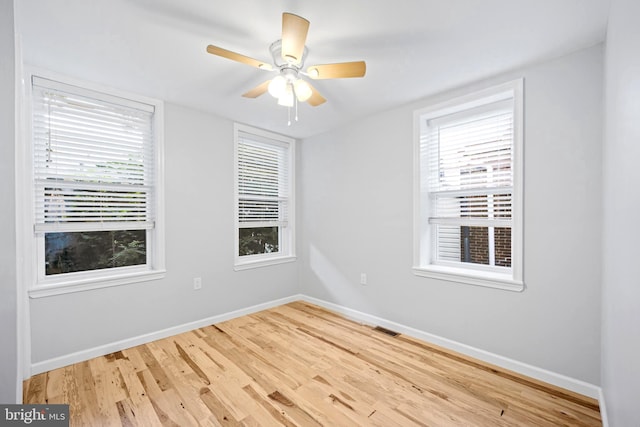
258,240
70,252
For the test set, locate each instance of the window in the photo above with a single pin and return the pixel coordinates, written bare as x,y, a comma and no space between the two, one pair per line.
264,198
468,220
96,187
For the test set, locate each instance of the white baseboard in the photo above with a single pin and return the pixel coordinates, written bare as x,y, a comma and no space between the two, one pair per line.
69,359
603,409
549,377
540,374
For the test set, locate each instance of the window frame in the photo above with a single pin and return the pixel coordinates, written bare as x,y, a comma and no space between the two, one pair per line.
41,285
286,234
512,278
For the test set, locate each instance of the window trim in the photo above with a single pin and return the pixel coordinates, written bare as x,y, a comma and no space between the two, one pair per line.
422,247
39,286
247,262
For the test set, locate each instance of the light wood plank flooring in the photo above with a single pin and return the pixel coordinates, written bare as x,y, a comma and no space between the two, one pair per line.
301,365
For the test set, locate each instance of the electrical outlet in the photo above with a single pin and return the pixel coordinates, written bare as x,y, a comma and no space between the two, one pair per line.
197,283
363,278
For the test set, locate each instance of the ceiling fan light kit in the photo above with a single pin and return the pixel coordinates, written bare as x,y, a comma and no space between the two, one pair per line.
288,55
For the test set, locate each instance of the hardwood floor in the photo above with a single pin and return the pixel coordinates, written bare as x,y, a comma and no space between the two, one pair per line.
301,365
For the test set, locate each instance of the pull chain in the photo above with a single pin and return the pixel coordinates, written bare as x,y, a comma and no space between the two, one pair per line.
295,106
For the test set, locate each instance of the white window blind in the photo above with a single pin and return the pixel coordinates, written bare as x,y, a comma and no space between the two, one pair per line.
263,182
468,159
93,160
470,179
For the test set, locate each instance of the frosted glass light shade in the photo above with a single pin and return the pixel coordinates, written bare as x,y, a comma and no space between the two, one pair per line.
286,99
277,87
302,89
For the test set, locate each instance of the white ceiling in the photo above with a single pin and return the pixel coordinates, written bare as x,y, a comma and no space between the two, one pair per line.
413,48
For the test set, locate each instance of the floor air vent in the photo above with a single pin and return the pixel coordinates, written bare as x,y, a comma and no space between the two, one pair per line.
386,331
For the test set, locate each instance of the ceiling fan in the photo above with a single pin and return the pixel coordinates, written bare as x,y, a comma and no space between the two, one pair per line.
289,54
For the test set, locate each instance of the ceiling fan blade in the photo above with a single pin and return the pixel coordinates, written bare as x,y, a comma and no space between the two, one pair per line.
294,36
258,90
215,50
315,99
338,71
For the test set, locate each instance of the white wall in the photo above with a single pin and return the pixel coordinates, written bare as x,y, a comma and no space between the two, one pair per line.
199,236
8,289
621,275
356,204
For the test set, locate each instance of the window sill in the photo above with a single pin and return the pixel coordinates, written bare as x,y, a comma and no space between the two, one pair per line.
87,284
257,263
476,278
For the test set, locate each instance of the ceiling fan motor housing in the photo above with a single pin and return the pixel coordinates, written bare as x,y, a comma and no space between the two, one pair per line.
280,62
